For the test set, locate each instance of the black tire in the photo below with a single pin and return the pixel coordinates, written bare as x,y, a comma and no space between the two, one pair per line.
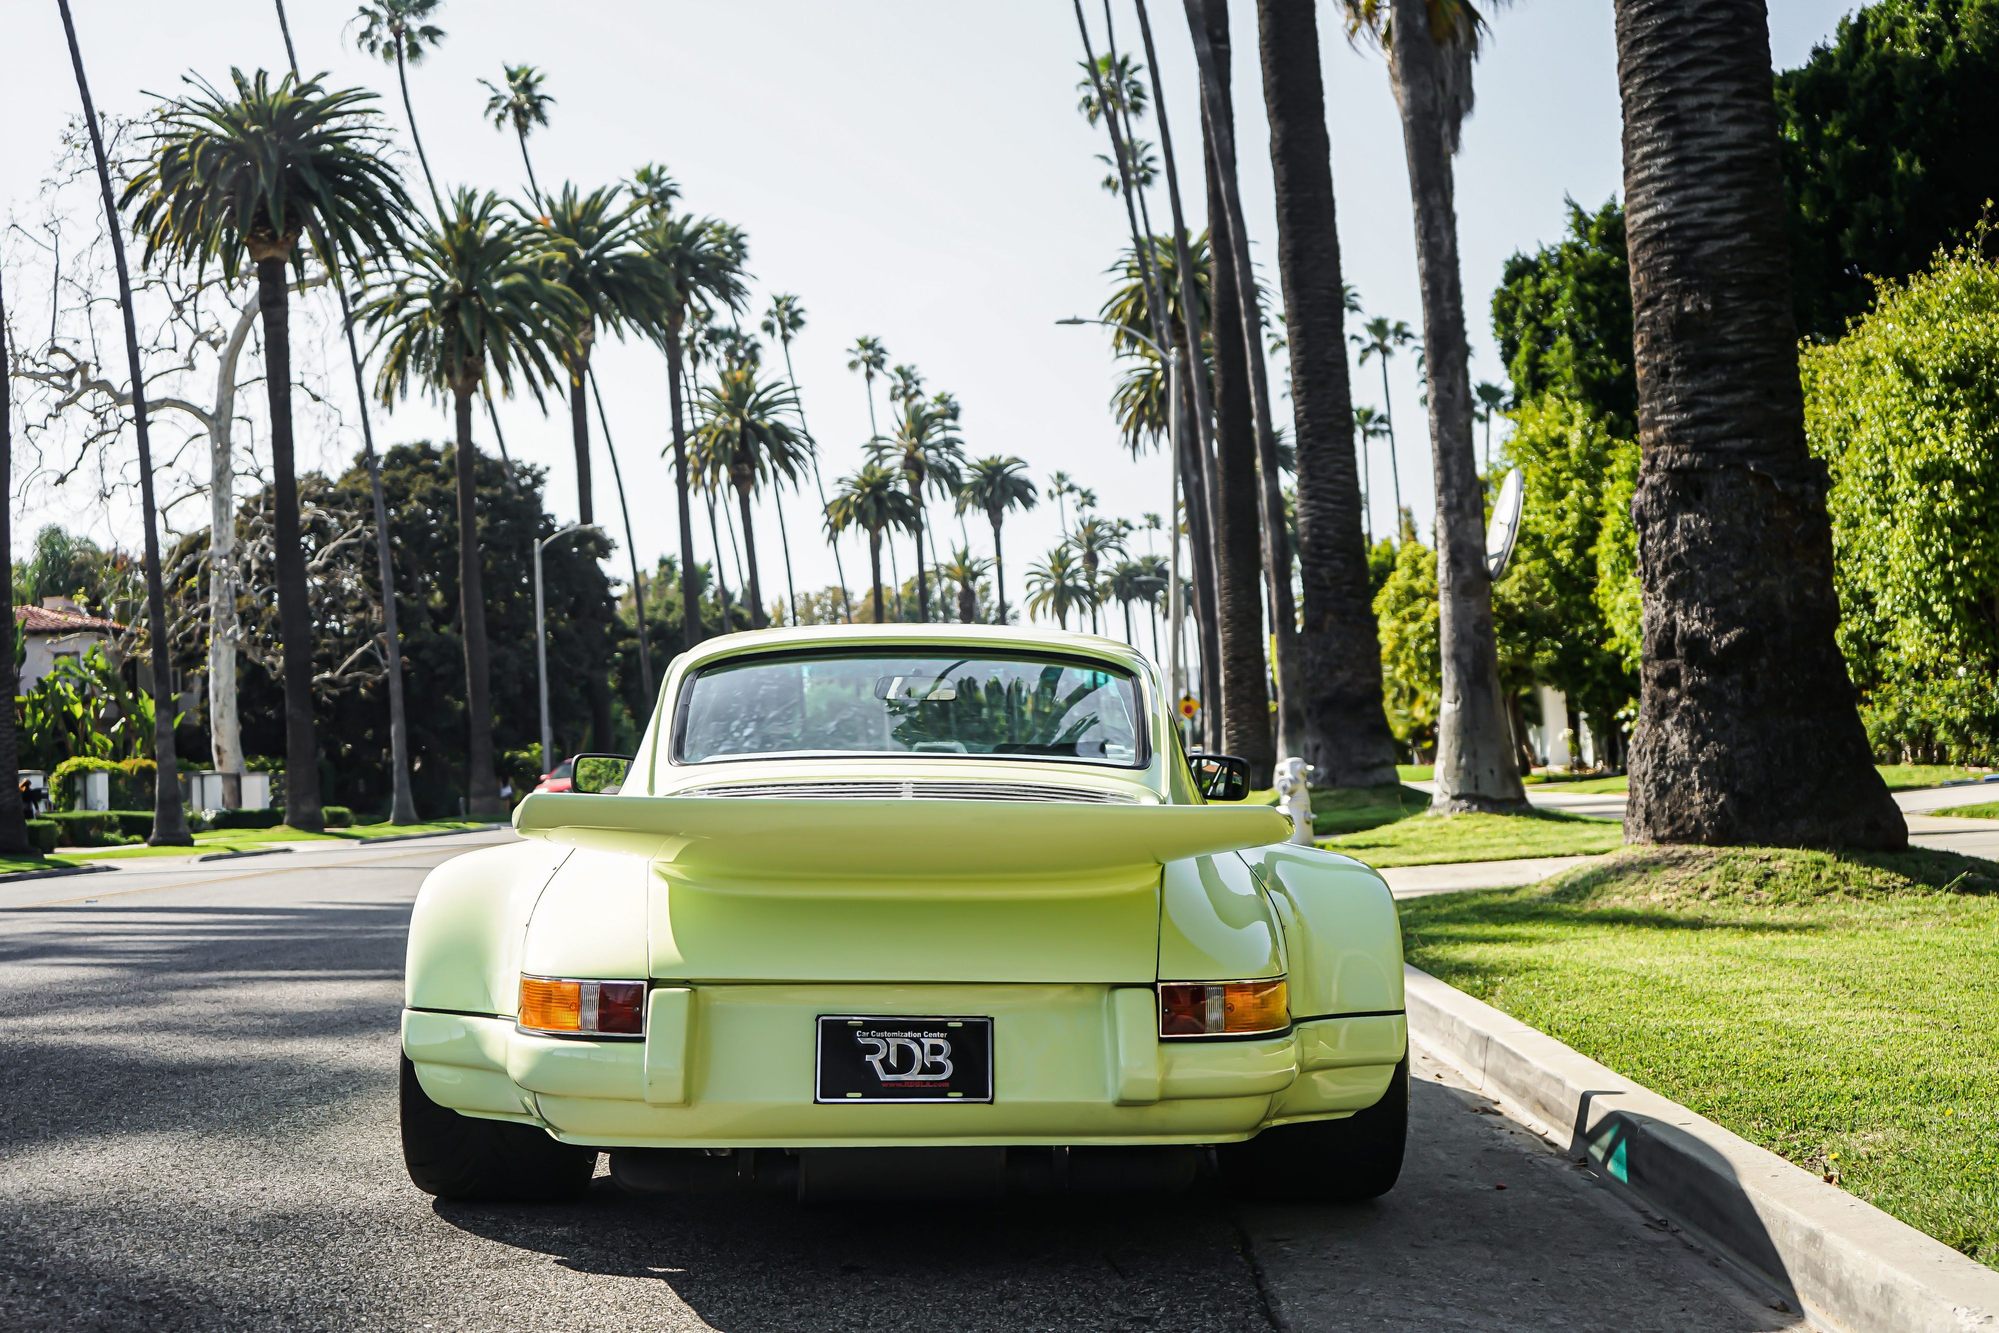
1333,1161
463,1157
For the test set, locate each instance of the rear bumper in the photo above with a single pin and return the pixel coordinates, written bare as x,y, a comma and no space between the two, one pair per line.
731,1066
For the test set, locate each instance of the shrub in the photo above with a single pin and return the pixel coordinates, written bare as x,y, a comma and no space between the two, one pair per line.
337,816
94,828
131,781
43,835
245,819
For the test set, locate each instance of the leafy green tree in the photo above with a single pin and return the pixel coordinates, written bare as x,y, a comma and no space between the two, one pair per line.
995,485
1562,318
752,425
1411,673
471,302
1905,412
254,174
517,102
1886,148
874,501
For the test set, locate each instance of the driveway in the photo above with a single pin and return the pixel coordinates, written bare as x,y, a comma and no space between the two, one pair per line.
200,1133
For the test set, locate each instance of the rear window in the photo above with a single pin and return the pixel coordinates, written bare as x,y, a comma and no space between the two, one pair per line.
901,703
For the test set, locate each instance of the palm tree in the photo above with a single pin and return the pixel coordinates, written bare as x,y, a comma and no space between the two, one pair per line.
995,485
1378,340
708,465
402,800
927,448
1369,425
254,175
1430,46
400,33
169,823
1094,541
905,384
470,303
1060,486
699,266
965,570
1150,581
1747,731
868,356
518,101
13,816
1343,731
750,423
1057,584
1491,402
874,501
784,321
1124,585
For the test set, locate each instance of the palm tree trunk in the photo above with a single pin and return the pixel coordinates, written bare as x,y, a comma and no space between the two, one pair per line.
225,731
1343,732
534,186
302,798
409,113
743,574
1747,731
483,796
13,814
895,574
922,577
1394,467
832,540
721,579
402,804
757,617
1474,768
784,545
169,823
875,568
631,546
579,436
999,569
1211,50
690,595
593,626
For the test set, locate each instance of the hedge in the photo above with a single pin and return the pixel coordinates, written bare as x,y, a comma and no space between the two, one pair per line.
101,828
337,816
43,835
132,781
246,819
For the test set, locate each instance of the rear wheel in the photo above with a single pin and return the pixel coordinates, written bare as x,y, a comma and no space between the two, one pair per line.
463,1157
1337,1161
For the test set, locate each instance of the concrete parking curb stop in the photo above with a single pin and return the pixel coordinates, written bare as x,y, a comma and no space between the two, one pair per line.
53,872
1845,1263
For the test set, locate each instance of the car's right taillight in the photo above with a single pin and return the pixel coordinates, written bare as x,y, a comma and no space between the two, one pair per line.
1223,1008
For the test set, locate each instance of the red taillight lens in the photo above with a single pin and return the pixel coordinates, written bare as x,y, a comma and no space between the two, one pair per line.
1223,1008
583,1008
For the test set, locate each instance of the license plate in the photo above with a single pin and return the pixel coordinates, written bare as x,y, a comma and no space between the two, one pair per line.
864,1059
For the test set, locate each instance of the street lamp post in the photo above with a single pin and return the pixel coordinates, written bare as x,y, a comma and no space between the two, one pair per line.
1175,603
541,642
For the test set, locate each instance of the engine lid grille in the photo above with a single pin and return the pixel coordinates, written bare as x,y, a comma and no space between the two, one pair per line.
878,790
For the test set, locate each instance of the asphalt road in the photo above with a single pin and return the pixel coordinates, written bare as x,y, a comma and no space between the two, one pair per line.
198,1131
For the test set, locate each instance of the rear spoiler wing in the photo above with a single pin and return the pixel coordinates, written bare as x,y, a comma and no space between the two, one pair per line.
780,845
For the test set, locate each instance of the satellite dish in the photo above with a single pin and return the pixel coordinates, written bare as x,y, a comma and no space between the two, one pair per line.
1504,530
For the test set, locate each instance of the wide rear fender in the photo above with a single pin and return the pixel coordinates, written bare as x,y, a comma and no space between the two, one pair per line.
1342,936
466,928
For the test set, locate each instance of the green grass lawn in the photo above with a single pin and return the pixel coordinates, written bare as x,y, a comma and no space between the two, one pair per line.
1615,783
14,865
1837,1010
245,840
1415,772
1908,777
1984,810
1425,841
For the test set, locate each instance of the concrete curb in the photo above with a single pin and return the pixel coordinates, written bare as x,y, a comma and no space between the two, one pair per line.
250,851
413,837
1845,1263
54,872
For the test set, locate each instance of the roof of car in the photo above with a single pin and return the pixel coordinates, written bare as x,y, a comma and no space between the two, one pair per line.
990,636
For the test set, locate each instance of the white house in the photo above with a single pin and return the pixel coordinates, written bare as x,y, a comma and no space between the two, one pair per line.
56,629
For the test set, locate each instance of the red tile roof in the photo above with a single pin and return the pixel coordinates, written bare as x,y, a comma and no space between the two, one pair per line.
42,620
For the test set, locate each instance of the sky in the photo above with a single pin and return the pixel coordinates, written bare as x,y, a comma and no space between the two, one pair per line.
913,169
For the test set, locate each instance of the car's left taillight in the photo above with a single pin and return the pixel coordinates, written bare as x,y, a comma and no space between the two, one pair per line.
565,1007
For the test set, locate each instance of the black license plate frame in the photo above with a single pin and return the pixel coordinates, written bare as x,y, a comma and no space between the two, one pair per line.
902,1060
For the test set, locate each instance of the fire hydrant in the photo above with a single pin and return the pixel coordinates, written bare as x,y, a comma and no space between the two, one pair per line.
1294,798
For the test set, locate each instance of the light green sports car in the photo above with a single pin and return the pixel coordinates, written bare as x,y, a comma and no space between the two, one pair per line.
904,908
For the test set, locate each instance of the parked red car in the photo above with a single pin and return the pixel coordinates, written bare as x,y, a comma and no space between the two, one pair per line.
559,778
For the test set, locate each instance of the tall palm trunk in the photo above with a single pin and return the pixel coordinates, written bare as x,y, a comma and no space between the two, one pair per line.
169,822
302,799
721,578
1475,768
875,568
744,485
1211,47
832,540
1394,466
579,431
922,569
690,596
1343,732
225,731
999,567
784,545
1747,731
409,113
13,814
483,799
534,186
968,604
402,803
631,547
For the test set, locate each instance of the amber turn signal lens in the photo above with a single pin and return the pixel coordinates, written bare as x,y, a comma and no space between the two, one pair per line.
584,1008
1223,1008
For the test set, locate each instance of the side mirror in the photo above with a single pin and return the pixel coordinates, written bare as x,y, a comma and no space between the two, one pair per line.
599,774
1221,777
